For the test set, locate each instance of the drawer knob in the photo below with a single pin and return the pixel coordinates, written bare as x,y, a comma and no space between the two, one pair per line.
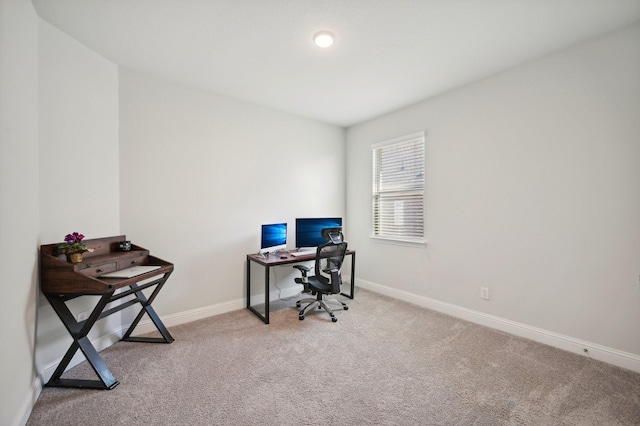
98,270
133,262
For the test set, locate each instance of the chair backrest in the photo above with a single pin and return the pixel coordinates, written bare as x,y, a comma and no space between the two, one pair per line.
329,258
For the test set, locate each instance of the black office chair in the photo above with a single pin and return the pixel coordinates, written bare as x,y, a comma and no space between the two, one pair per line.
329,234
327,278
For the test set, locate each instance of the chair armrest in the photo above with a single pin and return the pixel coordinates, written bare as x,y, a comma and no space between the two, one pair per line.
302,268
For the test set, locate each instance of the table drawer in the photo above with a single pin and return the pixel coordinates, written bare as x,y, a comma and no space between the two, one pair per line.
96,271
127,263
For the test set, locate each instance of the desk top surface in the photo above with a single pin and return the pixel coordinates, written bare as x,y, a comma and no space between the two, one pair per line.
284,258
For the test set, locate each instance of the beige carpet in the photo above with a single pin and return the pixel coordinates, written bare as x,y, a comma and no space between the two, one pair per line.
385,362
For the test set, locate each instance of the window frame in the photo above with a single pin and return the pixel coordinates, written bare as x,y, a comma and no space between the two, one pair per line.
407,240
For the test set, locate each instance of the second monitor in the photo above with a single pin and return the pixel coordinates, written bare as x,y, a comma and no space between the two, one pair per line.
273,237
308,230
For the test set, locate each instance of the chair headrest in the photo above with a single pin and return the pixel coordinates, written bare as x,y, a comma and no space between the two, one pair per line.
332,234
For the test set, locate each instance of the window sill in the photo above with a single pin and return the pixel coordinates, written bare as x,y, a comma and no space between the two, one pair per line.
399,242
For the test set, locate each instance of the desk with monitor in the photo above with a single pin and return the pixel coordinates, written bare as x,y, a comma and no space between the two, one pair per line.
267,261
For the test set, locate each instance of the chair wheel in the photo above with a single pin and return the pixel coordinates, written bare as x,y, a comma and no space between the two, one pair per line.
300,317
298,305
334,319
346,308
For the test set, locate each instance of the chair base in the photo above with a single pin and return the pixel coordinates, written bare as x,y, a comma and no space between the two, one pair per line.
320,302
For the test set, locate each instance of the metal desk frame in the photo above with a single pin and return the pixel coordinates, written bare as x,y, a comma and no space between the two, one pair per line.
274,260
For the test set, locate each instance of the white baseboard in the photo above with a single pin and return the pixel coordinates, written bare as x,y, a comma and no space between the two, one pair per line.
593,350
146,326
29,401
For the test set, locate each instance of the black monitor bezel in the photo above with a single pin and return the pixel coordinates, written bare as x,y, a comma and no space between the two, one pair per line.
333,222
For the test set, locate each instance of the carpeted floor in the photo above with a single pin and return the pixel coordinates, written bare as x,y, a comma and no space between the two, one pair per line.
385,362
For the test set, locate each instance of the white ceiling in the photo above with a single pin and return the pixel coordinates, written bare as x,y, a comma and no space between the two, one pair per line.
388,53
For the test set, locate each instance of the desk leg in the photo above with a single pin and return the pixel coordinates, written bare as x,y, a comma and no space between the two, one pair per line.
79,332
248,283
146,307
266,294
264,317
353,277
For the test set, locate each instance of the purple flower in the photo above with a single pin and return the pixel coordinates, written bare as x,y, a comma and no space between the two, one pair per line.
73,244
73,238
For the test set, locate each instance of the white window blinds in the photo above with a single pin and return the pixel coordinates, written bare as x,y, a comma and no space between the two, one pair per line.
398,188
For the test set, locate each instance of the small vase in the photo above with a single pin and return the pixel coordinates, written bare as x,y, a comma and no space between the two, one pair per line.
75,257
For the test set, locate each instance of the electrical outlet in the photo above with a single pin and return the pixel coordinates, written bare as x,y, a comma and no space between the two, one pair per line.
484,293
82,315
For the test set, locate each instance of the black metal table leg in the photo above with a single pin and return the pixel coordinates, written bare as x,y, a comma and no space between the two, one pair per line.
265,317
248,283
266,294
148,309
79,332
80,329
353,276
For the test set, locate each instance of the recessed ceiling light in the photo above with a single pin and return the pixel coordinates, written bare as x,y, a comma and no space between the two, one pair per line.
324,39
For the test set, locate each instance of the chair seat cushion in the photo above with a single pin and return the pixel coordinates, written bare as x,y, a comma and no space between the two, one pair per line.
316,285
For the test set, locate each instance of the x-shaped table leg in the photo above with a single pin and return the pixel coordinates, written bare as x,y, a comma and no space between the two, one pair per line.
146,307
79,332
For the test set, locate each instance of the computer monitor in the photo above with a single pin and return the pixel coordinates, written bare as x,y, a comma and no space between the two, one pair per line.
273,237
309,230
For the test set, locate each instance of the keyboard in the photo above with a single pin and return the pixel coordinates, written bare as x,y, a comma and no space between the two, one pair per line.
302,253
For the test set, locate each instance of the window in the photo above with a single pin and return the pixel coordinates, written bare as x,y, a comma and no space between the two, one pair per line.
398,189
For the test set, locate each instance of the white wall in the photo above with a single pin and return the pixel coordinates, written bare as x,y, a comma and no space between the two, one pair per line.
79,168
532,191
200,173
18,206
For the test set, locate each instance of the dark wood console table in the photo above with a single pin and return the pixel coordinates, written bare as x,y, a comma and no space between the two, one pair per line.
61,281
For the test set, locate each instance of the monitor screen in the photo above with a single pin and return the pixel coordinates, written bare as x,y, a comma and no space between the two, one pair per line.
308,230
273,237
